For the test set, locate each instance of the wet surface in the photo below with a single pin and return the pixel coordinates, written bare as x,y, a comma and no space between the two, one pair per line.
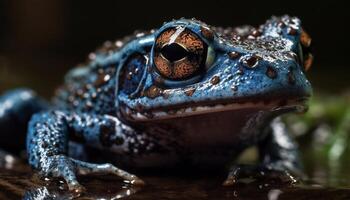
21,183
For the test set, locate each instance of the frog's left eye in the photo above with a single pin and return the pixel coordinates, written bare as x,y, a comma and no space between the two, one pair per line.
180,54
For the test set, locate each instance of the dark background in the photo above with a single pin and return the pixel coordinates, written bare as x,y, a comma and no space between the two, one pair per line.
41,40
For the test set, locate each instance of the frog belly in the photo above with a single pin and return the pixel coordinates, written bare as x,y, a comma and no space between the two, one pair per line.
203,140
228,129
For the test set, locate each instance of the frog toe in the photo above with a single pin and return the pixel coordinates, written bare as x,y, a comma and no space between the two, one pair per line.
61,166
230,181
76,188
284,171
90,168
238,171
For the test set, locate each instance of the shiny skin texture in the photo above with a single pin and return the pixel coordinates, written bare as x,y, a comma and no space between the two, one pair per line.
210,94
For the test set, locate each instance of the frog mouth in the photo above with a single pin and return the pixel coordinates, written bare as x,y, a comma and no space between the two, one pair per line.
298,105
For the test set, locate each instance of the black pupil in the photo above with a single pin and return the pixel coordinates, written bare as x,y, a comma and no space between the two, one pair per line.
173,52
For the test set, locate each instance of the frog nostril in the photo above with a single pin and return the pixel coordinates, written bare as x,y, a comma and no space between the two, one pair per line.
271,72
291,76
173,52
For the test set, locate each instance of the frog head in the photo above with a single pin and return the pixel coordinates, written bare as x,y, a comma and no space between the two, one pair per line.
188,68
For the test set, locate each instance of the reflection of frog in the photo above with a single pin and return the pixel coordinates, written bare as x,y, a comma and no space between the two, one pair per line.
187,93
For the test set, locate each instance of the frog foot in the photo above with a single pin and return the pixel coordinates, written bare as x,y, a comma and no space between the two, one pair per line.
279,170
65,167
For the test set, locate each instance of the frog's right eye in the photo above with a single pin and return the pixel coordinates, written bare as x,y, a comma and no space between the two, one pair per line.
131,74
180,54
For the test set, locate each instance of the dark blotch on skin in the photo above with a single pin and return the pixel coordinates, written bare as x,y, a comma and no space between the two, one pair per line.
118,140
153,92
271,72
101,80
292,31
189,91
251,61
215,80
234,54
207,33
105,135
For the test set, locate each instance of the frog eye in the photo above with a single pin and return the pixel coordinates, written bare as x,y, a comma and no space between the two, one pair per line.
131,73
180,54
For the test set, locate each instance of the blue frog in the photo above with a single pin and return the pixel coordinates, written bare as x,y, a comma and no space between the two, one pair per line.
185,94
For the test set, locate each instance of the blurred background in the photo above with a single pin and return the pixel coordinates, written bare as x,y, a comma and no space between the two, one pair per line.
41,40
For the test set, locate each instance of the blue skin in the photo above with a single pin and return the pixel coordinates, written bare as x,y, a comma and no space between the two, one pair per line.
120,103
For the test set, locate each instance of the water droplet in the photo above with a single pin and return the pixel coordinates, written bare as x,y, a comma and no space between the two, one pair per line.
234,88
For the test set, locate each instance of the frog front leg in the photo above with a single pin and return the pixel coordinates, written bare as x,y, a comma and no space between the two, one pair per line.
278,153
47,145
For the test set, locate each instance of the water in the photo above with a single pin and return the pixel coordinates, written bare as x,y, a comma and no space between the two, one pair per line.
20,182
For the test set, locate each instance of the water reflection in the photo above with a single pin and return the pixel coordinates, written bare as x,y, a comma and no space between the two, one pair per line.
46,193
22,185
325,182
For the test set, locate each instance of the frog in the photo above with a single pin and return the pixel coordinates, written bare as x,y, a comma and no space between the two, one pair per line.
185,94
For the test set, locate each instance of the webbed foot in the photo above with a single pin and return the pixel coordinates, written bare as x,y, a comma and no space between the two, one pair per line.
61,166
273,170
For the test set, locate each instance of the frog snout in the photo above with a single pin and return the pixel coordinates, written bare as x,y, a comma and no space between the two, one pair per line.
264,79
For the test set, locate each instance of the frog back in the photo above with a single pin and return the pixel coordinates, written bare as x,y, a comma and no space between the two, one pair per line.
88,89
